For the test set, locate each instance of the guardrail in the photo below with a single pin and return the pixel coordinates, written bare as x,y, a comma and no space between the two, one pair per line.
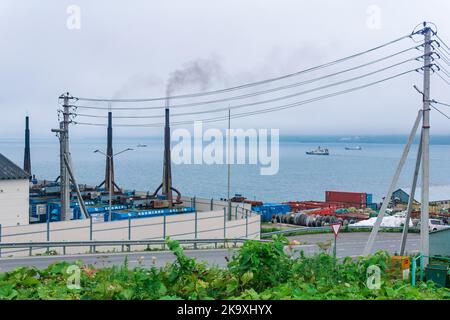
114,243
306,230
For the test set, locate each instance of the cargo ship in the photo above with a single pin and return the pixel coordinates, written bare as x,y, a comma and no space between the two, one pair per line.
353,148
319,152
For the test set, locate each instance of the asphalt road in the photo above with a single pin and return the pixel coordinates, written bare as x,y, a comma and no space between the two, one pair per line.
352,244
348,244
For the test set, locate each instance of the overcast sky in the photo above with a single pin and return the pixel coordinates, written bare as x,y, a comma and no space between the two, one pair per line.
129,49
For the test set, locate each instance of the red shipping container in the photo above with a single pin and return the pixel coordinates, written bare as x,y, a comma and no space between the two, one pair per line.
356,199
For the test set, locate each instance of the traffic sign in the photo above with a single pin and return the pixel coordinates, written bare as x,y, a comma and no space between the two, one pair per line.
336,227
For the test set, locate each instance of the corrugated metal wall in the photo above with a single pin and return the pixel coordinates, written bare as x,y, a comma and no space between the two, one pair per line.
440,243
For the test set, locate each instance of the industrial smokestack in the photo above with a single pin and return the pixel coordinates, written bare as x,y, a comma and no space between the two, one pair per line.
27,156
167,171
109,174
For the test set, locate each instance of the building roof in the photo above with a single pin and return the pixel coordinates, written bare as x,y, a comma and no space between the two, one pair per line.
437,193
10,171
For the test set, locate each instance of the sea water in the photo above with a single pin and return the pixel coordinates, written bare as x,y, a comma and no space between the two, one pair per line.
300,176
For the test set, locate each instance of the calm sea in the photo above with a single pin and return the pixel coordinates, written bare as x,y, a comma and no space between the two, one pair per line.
300,177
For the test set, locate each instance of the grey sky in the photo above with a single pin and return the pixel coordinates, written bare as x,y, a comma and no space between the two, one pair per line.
129,49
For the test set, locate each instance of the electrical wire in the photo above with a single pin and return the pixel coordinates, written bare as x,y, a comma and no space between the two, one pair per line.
263,101
252,84
262,111
443,69
444,58
443,42
441,103
444,114
443,79
249,95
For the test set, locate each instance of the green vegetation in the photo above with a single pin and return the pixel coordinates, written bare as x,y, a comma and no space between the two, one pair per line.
267,229
256,271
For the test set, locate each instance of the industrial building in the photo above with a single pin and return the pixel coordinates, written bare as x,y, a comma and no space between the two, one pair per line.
14,194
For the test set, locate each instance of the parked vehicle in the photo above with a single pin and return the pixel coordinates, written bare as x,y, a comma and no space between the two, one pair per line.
436,225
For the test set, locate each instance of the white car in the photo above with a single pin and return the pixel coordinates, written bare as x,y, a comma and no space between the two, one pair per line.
436,225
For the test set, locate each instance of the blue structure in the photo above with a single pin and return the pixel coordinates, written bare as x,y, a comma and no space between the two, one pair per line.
400,195
124,215
267,210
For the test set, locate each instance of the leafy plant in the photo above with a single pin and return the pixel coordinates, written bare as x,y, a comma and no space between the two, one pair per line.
256,271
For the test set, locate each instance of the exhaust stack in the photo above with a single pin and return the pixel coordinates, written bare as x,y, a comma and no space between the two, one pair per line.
109,172
166,185
27,156
167,170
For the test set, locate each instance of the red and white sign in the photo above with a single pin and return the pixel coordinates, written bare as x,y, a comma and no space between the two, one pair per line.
336,227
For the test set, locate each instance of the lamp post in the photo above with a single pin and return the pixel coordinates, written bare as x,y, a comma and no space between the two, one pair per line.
111,187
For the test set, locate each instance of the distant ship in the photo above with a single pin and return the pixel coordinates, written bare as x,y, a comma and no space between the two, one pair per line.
319,152
140,145
353,148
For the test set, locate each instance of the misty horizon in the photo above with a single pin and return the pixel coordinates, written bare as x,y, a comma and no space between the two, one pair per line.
44,58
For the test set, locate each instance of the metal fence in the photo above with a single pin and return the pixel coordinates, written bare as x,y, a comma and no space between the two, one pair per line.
327,229
196,225
124,244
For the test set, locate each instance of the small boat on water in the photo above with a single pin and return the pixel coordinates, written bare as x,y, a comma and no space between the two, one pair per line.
353,148
319,152
140,145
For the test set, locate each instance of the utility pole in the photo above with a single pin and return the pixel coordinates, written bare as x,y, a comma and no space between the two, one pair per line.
424,229
424,116
411,199
387,199
109,158
64,180
229,165
65,174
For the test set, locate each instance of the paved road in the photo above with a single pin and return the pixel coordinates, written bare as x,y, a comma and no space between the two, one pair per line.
349,244
352,244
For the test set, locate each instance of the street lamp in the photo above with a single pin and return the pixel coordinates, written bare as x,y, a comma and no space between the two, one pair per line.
110,175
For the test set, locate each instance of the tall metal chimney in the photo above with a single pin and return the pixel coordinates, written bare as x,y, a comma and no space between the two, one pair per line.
167,170
27,156
109,174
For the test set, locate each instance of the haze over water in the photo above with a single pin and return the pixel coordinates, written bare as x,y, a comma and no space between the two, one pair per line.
300,177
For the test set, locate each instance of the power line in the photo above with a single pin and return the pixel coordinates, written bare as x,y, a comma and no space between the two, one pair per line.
267,110
443,42
443,69
264,101
445,115
249,95
441,103
252,84
443,56
443,79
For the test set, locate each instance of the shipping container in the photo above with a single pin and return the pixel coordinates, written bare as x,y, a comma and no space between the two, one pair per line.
369,199
355,199
124,215
268,210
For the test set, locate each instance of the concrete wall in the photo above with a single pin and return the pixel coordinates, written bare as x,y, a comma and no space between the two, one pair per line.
14,202
201,204
200,225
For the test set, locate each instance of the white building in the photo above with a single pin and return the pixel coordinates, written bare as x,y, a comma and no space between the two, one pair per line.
14,194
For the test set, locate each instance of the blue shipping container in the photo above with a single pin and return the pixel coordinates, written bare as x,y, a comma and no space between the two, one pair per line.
368,199
147,213
267,210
